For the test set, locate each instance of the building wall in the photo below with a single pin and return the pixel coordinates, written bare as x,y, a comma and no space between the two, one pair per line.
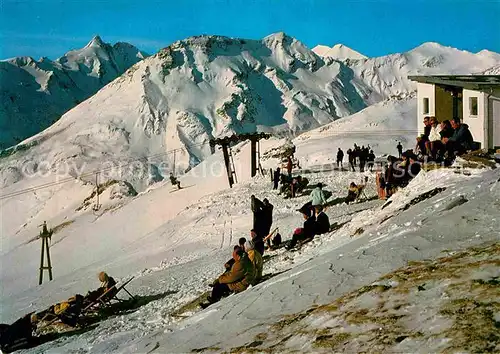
444,104
424,91
478,124
494,119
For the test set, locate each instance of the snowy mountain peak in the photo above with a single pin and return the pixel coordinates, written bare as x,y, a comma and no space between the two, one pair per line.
339,52
36,93
96,42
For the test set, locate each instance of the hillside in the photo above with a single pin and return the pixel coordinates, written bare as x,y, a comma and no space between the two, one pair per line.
35,94
211,86
345,284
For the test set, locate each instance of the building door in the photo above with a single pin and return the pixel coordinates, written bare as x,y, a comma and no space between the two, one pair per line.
494,122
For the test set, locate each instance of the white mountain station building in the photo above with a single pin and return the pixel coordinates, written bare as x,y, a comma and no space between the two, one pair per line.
475,99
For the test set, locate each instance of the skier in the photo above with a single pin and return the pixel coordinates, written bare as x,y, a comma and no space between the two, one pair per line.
175,181
340,158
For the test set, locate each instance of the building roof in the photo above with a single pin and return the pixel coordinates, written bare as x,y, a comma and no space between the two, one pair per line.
471,82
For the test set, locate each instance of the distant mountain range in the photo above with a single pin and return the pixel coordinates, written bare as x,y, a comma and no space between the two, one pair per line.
35,94
204,87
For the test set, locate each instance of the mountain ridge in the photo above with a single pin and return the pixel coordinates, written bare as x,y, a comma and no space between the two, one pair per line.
204,87
35,93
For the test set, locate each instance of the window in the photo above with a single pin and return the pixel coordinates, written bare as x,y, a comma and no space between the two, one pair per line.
426,105
473,106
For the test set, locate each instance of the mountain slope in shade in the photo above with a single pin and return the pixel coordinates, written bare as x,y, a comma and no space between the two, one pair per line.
211,86
34,94
338,51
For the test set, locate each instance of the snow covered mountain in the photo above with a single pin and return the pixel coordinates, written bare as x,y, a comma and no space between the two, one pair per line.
209,86
34,94
338,51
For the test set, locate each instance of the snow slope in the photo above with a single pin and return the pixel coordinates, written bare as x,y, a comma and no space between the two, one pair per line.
34,94
175,262
338,51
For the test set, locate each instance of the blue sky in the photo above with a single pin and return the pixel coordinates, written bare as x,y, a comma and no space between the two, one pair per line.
52,27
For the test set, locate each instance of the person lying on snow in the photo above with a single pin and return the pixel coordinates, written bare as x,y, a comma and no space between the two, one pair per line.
67,311
306,233
18,335
108,284
241,275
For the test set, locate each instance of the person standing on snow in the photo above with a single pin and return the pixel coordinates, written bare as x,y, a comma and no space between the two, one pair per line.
267,217
400,149
340,158
276,178
352,158
289,166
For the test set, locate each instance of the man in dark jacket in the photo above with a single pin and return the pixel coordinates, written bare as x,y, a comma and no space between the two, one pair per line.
308,230
340,158
267,217
352,158
258,217
461,140
400,149
322,221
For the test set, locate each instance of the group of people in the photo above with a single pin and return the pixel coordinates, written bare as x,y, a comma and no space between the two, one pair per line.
398,172
362,155
68,312
245,268
290,186
443,141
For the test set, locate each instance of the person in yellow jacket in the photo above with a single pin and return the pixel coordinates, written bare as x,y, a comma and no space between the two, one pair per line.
240,276
256,260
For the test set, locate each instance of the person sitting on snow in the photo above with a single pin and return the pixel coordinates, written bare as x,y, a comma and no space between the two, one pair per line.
256,260
354,192
258,242
108,287
307,232
322,221
318,196
238,279
229,264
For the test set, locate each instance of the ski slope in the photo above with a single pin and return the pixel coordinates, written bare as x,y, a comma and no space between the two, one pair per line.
179,241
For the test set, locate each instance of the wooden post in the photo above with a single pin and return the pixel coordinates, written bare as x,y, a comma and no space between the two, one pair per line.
45,235
225,152
253,152
173,169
